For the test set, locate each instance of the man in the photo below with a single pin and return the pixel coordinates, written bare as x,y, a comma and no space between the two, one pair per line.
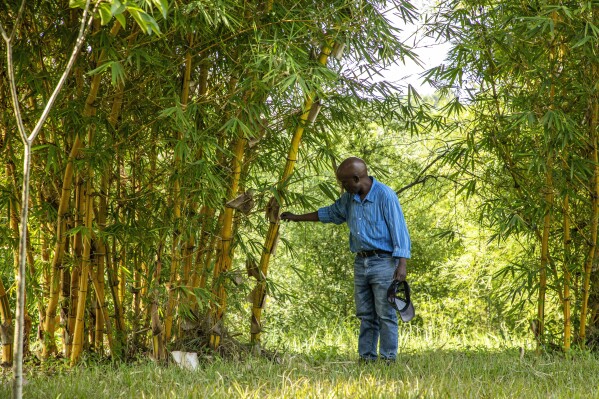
379,238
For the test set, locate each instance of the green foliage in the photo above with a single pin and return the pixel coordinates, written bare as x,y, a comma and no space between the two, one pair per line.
155,146
520,78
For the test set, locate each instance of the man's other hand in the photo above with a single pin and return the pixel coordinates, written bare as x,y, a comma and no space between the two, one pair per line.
401,270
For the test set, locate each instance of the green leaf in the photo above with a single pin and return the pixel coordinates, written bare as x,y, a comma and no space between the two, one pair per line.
100,69
117,7
145,21
105,13
162,6
122,20
136,14
325,187
118,73
77,3
582,41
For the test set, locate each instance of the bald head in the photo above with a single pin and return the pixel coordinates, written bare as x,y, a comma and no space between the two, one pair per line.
352,173
352,166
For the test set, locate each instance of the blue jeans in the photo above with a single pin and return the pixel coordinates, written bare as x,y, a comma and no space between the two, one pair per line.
378,320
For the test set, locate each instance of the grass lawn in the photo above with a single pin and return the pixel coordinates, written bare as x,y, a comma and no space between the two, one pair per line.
423,370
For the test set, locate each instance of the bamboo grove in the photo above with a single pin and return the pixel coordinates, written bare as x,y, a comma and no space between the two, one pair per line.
163,165
527,74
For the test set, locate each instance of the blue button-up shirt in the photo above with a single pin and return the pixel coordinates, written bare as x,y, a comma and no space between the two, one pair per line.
377,222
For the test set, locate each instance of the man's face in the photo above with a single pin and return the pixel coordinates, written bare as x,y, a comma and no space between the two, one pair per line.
350,182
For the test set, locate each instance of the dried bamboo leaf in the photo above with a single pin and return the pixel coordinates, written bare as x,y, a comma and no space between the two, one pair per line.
243,203
273,210
252,268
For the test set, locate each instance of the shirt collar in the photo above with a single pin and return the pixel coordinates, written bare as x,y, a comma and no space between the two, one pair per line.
370,195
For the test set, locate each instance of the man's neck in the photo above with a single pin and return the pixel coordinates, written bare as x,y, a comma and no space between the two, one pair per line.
368,183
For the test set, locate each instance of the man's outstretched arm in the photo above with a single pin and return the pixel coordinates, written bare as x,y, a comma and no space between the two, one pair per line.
306,217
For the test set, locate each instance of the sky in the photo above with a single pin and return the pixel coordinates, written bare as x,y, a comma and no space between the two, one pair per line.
430,53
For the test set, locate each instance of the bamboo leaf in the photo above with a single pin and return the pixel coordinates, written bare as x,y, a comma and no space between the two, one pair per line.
105,13
77,3
118,73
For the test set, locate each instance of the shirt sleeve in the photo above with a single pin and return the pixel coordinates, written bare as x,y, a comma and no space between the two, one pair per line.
335,213
396,224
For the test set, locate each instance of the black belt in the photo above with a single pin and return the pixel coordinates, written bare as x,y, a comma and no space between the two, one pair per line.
368,254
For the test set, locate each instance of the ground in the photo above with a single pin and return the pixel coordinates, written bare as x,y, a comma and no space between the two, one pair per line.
484,372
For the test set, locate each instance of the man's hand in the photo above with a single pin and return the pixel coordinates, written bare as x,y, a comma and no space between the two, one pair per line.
286,216
306,217
401,270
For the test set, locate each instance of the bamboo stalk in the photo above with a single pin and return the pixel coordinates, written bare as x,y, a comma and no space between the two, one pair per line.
223,263
567,277
588,265
121,259
102,309
97,277
49,345
119,316
259,292
78,332
6,327
207,236
176,251
45,275
158,341
548,197
77,250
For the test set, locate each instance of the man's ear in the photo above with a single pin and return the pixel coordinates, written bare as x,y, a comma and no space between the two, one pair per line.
356,178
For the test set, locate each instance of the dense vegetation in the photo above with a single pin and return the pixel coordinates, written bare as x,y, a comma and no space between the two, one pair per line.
158,176
152,138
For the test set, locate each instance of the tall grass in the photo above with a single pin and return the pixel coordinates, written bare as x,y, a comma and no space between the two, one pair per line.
432,364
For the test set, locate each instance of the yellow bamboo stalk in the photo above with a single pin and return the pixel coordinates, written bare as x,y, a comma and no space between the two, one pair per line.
588,265
223,263
6,327
45,278
207,241
567,276
85,272
259,292
88,111
544,253
72,292
101,309
117,345
548,197
176,254
122,274
119,316
49,345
